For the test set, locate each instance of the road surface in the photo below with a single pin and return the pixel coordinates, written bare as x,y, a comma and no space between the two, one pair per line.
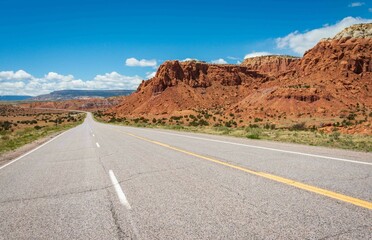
99,181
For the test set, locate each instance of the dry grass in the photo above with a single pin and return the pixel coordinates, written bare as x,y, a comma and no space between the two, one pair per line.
308,137
21,126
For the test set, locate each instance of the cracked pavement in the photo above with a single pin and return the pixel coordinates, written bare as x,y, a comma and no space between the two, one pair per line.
63,190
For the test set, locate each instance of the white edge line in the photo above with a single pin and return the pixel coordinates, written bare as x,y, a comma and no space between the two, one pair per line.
119,191
270,149
98,144
33,150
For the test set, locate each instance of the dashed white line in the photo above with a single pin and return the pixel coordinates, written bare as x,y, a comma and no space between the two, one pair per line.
98,144
123,200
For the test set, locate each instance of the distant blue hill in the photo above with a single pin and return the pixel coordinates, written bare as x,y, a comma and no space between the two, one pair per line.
14,97
80,94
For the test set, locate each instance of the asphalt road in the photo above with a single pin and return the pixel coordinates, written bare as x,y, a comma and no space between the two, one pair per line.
100,181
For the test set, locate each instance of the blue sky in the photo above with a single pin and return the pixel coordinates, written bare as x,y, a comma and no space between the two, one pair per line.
49,45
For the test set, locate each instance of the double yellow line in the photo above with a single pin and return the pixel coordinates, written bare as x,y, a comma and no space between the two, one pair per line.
320,191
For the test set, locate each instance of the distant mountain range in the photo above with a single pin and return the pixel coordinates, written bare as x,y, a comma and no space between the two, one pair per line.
80,94
14,97
68,95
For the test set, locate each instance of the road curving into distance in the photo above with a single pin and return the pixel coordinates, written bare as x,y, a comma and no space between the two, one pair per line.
100,181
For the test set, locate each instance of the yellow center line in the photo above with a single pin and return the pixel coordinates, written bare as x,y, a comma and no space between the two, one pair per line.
313,189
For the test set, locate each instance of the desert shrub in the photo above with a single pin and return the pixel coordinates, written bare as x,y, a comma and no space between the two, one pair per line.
345,123
298,127
269,126
5,137
257,119
6,125
313,128
203,122
253,133
37,127
194,123
176,118
351,116
335,135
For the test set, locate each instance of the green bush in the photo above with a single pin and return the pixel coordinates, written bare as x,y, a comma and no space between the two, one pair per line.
298,127
37,127
253,133
257,119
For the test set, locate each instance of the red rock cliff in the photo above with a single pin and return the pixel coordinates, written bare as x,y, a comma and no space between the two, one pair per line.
199,74
272,65
349,51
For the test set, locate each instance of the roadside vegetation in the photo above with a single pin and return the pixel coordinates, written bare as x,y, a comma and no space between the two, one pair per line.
328,135
22,126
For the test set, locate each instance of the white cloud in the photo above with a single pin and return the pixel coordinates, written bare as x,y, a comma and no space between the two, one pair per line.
219,61
233,58
257,54
150,75
133,62
56,76
23,83
189,59
301,42
115,80
10,75
356,4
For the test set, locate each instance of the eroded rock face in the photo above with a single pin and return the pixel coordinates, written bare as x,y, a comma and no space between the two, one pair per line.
201,75
363,30
332,77
272,65
339,56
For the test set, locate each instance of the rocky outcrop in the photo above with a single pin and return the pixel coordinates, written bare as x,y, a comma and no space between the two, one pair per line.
363,30
330,79
272,65
340,56
201,75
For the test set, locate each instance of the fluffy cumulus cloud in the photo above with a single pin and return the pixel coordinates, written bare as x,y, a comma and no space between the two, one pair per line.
257,54
300,42
115,80
11,75
58,77
23,83
189,59
133,62
219,61
356,4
